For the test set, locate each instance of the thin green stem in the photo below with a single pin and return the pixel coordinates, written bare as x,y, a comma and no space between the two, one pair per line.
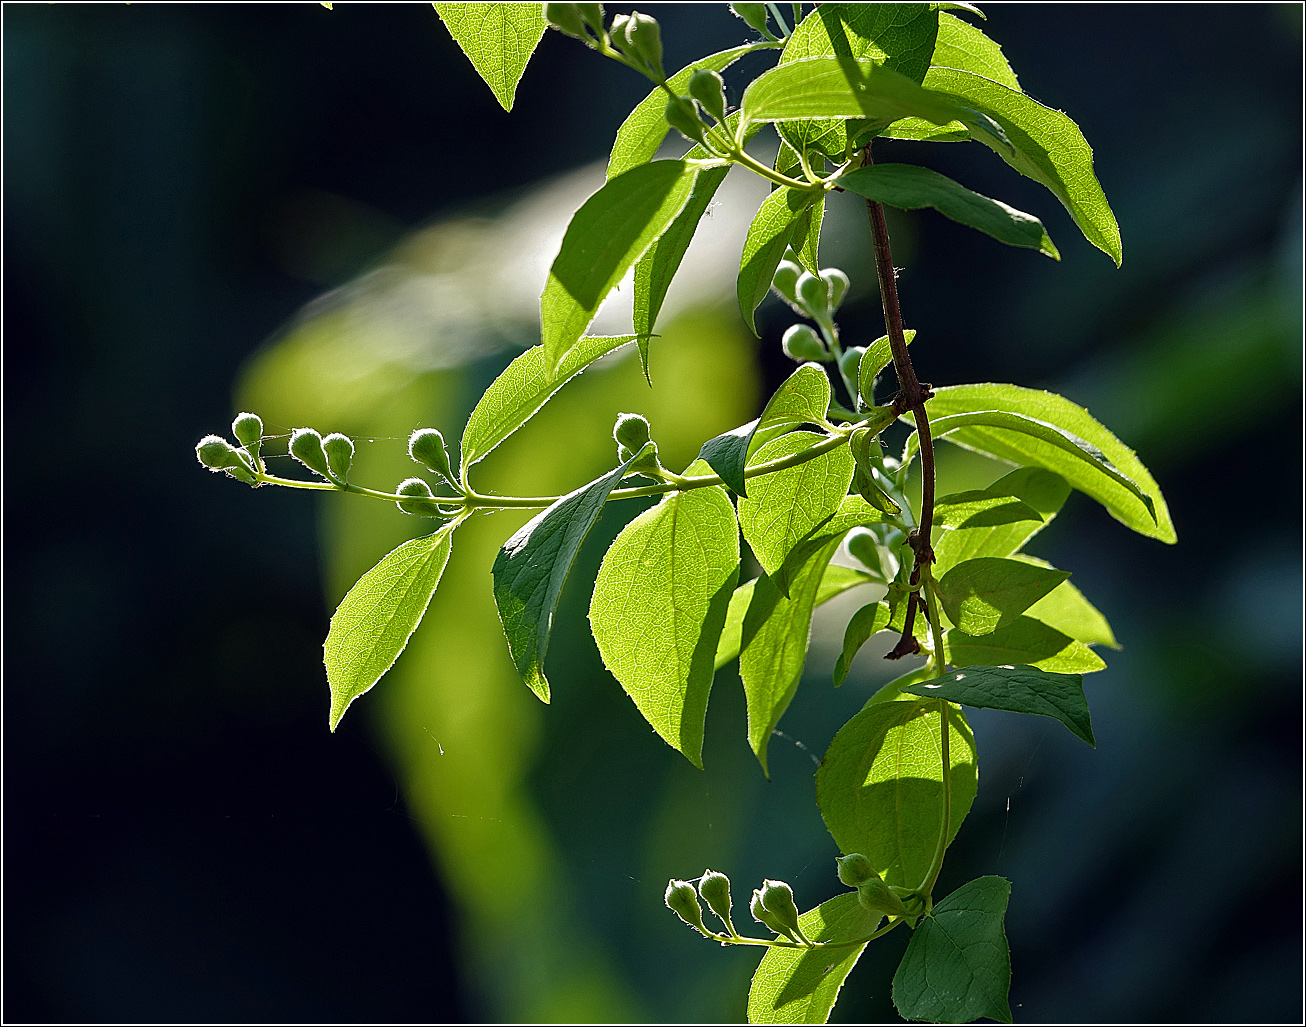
938,662
774,943
330,486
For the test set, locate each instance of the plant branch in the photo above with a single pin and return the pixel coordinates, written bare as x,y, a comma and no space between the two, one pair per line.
911,396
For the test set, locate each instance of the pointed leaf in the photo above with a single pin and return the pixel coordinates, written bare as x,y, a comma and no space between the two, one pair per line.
646,126
877,357
373,623
957,967
880,786
1066,609
498,39
982,594
871,618
606,236
909,187
784,506
962,46
532,567
998,520
773,649
807,235
801,985
1023,640
1148,516
524,386
1018,690
853,512
659,604
772,229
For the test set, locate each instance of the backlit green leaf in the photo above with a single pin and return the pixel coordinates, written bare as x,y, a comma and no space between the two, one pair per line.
659,604
877,357
773,228
1016,689
606,236
373,623
802,398
862,625
1045,145
957,967
524,386
773,648
998,520
980,595
498,39
853,511
962,46
784,506
532,567
1120,500
880,786
1023,640
910,187
807,235
646,126
801,985
1066,609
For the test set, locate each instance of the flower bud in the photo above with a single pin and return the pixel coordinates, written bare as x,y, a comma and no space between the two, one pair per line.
837,282
566,19
765,917
216,453
715,889
306,447
682,115
339,451
709,89
854,869
778,899
426,447
813,294
643,40
248,429
421,502
682,901
631,431
754,15
802,343
851,361
785,278
862,544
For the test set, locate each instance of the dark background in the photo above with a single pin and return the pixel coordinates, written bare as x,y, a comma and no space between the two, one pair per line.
177,820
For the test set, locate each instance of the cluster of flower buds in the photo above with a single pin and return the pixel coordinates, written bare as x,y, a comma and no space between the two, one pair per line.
631,433
328,457
816,297
714,889
856,871
636,36
580,21
426,447
773,907
242,462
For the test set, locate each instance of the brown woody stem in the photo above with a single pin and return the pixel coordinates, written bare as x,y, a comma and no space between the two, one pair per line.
911,396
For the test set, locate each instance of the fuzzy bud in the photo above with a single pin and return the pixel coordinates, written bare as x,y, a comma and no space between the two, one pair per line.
339,451
306,447
855,869
643,40
813,294
778,899
248,429
682,115
802,343
863,545
426,447
763,917
714,887
565,18
785,279
709,89
216,453
851,362
421,502
631,431
754,15
682,900
837,282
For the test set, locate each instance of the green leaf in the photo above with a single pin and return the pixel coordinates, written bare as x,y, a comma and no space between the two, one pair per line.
899,36
853,511
962,46
606,236
910,187
1017,690
801,985
871,618
807,236
880,786
957,967
802,398
659,604
1023,640
877,357
982,594
998,520
837,581
498,39
654,270
524,386
773,227
773,649
1060,412
373,623
784,506
532,567
828,87
1045,145
1066,609
646,126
